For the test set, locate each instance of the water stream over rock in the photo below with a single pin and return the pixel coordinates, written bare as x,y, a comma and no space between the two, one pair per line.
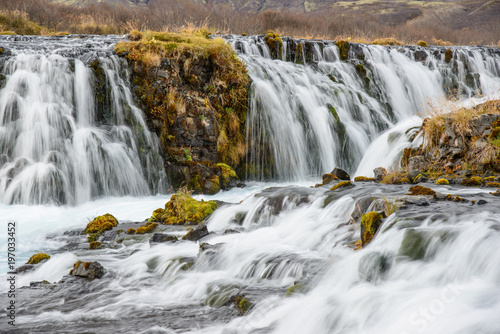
71,134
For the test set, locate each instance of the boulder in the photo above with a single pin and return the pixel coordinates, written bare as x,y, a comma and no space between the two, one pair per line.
88,270
196,233
340,174
160,237
379,173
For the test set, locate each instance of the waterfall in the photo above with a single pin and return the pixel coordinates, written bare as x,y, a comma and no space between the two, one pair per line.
311,111
69,129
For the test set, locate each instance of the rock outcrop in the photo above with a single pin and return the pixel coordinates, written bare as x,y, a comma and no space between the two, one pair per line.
194,93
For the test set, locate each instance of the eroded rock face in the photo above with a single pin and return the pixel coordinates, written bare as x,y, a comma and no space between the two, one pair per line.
188,101
450,147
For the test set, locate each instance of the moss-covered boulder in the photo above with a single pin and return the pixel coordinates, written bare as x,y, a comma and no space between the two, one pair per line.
242,304
147,228
342,184
101,223
37,258
370,223
183,209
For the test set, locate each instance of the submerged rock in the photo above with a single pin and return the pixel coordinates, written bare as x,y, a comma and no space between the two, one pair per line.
160,237
373,266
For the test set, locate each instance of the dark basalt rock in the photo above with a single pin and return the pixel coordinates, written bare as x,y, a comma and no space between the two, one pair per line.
196,233
90,270
160,237
341,174
24,269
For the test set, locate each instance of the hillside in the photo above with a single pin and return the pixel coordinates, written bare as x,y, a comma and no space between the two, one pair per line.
459,14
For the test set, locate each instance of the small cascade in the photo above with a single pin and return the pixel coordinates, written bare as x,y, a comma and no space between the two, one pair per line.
315,106
69,129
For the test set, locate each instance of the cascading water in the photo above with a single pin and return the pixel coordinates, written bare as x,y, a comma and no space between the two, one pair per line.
69,129
306,119
432,268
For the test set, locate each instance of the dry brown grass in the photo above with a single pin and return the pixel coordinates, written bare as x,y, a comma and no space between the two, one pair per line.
175,15
441,112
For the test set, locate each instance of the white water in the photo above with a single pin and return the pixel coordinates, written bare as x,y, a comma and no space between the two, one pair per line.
289,111
455,289
57,146
175,288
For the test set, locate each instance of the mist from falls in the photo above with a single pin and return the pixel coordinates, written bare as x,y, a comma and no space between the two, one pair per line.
311,111
69,128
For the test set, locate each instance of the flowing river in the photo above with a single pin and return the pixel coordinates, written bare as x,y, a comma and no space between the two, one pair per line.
74,145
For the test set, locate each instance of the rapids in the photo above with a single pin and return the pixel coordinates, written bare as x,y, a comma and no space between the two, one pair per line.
74,145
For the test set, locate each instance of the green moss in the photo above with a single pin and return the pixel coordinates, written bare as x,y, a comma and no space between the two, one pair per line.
422,44
334,113
442,182
343,49
226,175
226,90
370,222
297,288
342,184
183,209
493,184
95,245
363,179
242,305
37,258
101,224
448,54
420,190
131,231
474,181
92,237
489,179
215,188
148,228
156,215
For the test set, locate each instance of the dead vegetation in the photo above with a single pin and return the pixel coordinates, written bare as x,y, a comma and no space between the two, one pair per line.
382,23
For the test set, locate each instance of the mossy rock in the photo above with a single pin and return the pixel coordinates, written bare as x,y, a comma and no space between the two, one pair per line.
420,190
448,54
474,181
421,244
131,231
242,304
493,184
183,209
157,214
363,179
422,44
297,288
442,182
34,259
370,223
95,245
227,174
343,49
342,184
101,224
148,228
